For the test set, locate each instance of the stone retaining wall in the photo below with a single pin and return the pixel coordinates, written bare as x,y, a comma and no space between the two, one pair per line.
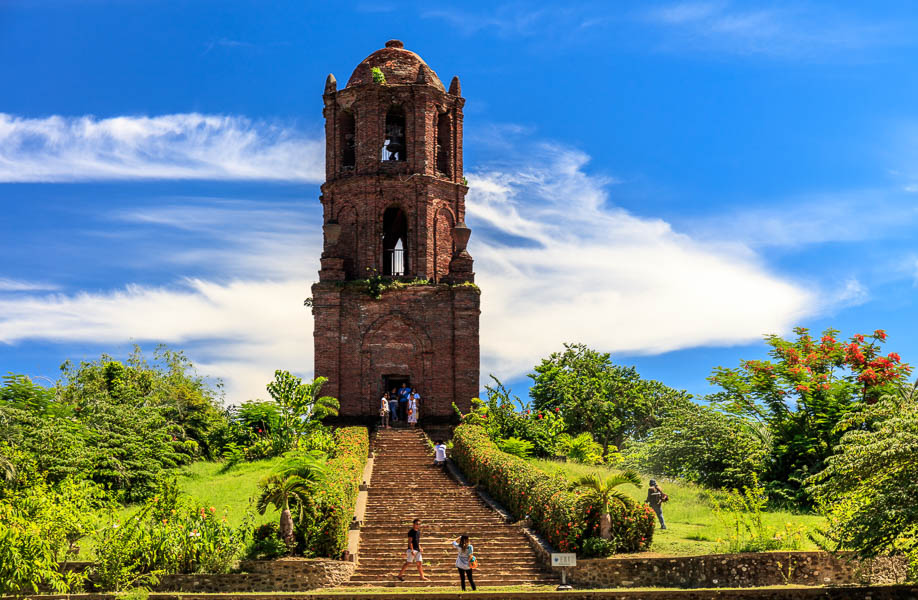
896,592
264,576
736,570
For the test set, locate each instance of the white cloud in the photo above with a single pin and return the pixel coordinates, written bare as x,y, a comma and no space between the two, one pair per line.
181,146
555,263
17,285
599,275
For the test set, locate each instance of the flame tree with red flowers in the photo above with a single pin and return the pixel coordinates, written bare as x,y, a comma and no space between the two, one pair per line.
802,395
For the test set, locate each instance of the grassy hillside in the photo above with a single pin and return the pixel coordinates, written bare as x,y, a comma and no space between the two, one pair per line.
233,490
692,527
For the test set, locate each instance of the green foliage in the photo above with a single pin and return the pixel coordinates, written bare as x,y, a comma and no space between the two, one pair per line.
267,543
301,407
166,535
594,395
701,445
336,496
378,76
558,513
499,416
118,424
516,447
743,513
282,490
603,492
39,526
869,487
802,395
596,547
582,449
375,285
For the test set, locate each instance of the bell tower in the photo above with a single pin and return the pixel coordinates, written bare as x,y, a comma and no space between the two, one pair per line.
396,299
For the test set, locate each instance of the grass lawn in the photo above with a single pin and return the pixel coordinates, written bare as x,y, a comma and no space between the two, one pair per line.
692,527
208,486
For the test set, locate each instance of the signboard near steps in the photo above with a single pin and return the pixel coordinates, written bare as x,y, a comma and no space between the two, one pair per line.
559,559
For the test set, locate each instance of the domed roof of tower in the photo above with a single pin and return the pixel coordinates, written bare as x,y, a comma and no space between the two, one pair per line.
400,66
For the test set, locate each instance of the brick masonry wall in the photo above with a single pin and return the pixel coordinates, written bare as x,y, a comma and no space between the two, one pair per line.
427,332
736,570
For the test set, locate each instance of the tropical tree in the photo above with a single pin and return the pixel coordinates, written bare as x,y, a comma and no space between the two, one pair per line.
594,395
300,403
281,491
602,492
869,485
803,394
702,445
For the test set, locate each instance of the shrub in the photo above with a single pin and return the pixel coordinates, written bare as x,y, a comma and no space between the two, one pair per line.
167,535
336,496
562,516
267,543
516,447
378,76
596,547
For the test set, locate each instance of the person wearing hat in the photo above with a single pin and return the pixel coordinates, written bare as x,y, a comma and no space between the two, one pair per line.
656,498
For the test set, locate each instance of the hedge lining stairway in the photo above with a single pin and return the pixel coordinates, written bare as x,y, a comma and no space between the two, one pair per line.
406,485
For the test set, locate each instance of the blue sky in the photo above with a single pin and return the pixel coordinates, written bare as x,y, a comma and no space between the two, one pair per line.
664,181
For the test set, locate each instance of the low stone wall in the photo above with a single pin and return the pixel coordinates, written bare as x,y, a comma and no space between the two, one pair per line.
895,592
264,576
736,570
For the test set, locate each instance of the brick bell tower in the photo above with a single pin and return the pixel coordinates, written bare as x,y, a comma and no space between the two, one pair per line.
394,211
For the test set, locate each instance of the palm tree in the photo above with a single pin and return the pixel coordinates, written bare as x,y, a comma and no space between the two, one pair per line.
280,490
603,492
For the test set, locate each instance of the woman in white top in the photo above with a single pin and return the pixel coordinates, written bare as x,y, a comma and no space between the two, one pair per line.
413,409
464,560
384,410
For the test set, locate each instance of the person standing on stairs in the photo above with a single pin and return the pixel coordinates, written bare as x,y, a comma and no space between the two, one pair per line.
414,401
403,394
393,405
413,554
384,411
464,560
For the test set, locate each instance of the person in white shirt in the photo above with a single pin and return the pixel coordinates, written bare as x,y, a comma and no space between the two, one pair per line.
440,454
384,410
414,400
464,560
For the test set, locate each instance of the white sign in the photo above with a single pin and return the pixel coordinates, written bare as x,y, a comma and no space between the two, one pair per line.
563,560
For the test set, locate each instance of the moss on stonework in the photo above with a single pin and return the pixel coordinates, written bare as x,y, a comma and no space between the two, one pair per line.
376,285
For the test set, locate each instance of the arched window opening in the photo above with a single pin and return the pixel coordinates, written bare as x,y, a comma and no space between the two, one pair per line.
394,146
443,144
395,242
348,140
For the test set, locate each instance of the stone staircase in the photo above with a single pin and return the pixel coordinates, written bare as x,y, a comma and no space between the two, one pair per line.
406,485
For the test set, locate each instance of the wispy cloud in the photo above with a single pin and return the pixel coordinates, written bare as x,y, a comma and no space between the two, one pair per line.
780,30
598,274
815,218
180,146
17,285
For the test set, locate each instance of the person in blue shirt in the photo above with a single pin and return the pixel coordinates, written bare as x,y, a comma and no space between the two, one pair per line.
403,394
393,405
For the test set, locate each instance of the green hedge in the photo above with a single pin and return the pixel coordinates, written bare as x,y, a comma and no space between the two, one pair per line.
560,514
338,495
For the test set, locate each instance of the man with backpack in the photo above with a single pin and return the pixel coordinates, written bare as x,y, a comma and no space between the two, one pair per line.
656,498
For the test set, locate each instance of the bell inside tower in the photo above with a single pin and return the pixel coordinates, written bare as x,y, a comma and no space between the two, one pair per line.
395,241
394,146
